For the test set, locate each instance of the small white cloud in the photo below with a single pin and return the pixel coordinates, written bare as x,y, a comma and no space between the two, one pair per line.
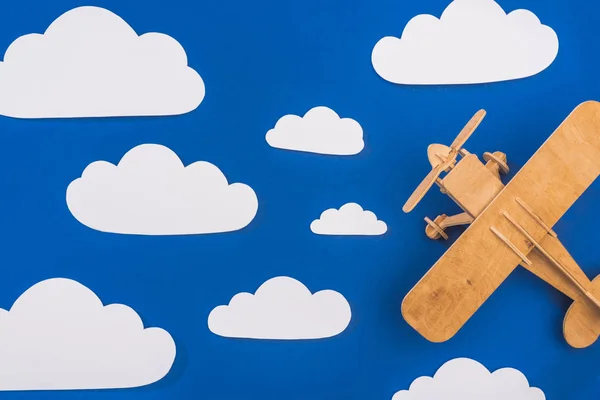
350,219
91,63
474,41
321,131
59,336
151,192
282,308
466,379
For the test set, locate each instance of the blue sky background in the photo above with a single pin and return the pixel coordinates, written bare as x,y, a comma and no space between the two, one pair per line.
261,60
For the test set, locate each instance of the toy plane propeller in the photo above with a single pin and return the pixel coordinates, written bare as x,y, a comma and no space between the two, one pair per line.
508,226
442,158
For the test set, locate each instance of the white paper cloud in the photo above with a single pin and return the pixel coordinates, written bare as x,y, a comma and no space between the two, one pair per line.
151,192
321,131
59,336
466,379
474,41
282,308
91,63
350,219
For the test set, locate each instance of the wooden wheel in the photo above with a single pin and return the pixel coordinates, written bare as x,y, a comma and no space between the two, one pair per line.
433,230
501,163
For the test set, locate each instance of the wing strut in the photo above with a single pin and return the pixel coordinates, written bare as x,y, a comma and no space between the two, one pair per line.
582,288
512,246
536,217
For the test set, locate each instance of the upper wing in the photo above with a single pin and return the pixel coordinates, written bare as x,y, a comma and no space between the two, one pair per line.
478,262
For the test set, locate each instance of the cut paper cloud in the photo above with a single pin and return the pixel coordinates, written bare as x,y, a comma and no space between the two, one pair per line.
350,219
321,131
466,379
474,41
151,192
59,336
91,63
282,308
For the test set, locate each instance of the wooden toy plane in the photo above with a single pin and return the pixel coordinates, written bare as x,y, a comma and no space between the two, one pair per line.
508,226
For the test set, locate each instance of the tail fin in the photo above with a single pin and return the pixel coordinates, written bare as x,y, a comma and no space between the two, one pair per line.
581,325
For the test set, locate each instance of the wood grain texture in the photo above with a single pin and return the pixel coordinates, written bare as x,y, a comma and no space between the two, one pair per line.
543,268
581,326
471,185
478,262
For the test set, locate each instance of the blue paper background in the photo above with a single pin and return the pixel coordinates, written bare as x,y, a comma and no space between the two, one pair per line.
260,60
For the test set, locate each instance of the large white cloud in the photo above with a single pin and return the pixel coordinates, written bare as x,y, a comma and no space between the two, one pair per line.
91,63
466,379
282,308
151,192
321,130
350,219
474,41
58,335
